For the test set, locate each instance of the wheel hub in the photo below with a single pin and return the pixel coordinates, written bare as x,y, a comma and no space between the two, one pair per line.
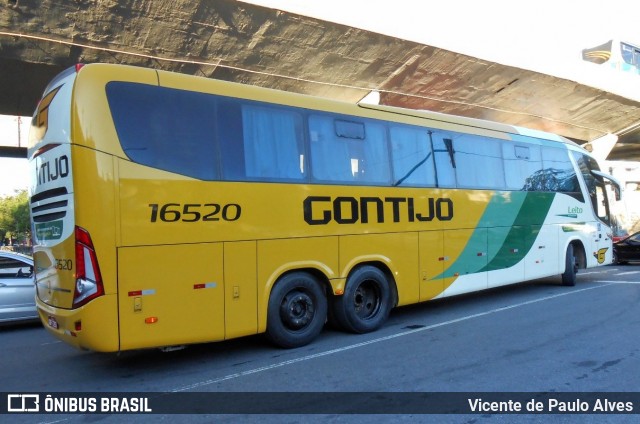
366,300
297,310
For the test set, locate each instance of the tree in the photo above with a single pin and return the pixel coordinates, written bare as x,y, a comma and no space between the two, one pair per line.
14,218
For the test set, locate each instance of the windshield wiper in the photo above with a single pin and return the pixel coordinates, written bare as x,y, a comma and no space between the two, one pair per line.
412,170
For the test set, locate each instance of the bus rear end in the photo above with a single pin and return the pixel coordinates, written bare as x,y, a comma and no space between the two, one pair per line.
73,301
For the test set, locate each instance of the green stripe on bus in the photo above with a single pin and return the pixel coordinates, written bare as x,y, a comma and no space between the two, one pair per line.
522,235
511,221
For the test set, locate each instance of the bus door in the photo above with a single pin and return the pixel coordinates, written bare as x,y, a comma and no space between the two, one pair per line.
603,235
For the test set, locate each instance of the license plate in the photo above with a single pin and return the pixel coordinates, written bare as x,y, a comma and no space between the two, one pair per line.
53,323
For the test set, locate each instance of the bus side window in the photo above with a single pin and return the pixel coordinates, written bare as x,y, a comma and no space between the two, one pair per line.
165,128
520,163
444,159
230,140
259,143
375,155
330,158
478,162
347,151
413,163
273,147
559,172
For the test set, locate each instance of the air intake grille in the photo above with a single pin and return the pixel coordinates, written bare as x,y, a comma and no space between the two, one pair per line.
49,205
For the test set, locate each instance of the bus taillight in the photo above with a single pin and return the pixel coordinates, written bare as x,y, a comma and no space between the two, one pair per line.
88,278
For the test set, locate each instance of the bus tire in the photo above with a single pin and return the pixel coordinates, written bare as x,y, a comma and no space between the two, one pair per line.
570,268
366,301
297,310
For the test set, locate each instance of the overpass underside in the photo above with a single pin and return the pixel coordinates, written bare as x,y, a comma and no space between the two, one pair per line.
240,42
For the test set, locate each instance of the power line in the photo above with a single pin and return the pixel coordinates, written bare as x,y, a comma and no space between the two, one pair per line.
218,63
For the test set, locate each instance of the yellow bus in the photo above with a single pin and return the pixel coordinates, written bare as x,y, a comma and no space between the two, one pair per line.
170,209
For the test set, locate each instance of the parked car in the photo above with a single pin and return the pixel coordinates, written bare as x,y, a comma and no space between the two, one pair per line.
627,249
17,288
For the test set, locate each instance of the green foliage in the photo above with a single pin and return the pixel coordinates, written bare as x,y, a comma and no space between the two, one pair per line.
14,217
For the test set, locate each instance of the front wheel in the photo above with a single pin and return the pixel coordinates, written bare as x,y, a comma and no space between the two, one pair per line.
366,301
570,269
297,310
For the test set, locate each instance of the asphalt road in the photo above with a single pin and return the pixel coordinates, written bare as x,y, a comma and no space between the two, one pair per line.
533,337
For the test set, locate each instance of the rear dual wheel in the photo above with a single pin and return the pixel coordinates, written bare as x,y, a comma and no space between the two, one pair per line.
366,301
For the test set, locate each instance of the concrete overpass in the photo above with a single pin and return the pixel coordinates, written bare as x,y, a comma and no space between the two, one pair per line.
237,41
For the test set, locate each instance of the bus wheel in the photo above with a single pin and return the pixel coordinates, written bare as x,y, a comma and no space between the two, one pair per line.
571,268
366,301
297,310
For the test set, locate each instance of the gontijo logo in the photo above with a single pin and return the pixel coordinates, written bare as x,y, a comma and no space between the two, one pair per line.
320,210
53,169
600,255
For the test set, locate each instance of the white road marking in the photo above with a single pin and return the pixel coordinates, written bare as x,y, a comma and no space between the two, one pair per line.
621,282
627,273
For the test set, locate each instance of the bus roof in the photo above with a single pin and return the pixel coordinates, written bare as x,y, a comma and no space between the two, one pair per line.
234,89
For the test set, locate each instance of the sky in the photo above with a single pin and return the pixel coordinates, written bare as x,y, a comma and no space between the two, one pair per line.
542,35
13,172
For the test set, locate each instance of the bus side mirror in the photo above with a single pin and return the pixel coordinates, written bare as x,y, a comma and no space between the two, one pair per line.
615,184
618,192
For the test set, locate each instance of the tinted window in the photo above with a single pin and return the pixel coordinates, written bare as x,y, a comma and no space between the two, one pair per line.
348,151
557,174
413,161
586,164
521,162
478,162
211,137
260,142
164,128
444,159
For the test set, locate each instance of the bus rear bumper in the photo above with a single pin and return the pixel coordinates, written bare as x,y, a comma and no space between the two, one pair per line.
90,327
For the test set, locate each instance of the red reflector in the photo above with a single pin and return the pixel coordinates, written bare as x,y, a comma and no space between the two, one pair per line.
198,286
135,293
78,325
88,279
151,320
